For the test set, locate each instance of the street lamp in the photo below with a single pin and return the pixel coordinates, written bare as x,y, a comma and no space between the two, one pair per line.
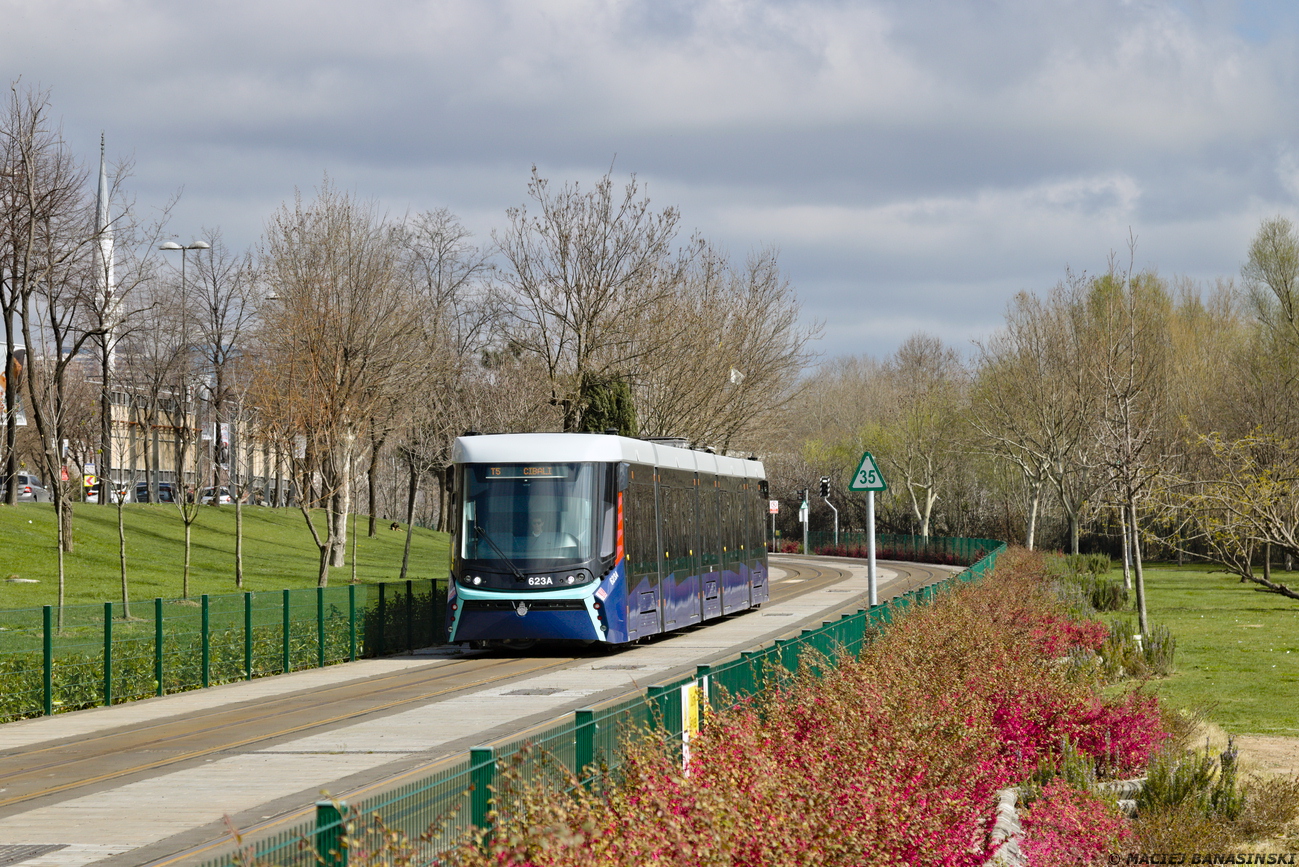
167,246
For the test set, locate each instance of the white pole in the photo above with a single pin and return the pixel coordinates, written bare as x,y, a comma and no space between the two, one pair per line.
803,514
870,548
836,521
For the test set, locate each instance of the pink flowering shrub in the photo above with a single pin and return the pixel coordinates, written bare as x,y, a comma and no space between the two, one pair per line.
1067,827
893,758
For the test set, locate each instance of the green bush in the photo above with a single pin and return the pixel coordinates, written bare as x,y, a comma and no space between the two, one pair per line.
1106,594
1206,783
1122,655
1094,565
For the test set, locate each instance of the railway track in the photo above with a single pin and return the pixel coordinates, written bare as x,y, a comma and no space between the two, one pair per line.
50,771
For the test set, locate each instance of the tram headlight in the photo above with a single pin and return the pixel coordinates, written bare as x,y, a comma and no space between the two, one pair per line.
571,579
478,579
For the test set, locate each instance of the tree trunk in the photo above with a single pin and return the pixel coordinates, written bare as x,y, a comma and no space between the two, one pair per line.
104,467
337,513
239,542
322,545
376,446
185,581
64,509
121,559
11,418
1032,516
1143,624
413,492
322,576
1127,549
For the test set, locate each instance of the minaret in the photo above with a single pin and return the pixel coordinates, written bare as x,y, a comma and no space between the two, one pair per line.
104,231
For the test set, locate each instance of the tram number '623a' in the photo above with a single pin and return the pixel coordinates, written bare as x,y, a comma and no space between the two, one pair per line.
541,581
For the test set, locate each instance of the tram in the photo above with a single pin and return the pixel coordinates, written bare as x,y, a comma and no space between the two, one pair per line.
599,538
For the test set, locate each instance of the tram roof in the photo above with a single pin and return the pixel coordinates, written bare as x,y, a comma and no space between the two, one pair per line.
596,448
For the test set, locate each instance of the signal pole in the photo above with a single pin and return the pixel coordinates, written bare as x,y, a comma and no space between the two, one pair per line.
802,516
825,495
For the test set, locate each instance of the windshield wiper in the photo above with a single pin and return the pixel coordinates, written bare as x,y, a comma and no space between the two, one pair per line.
515,569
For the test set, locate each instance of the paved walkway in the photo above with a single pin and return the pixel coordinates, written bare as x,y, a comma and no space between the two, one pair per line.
180,810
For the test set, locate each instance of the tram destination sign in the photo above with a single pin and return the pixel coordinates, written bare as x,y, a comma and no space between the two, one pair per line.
528,471
868,476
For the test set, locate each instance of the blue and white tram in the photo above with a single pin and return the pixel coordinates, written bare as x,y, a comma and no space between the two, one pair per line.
595,537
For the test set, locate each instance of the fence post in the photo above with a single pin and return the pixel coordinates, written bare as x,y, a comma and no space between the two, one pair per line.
47,624
330,831
287,661
108,654
248,636
207,643
583,742
320,627
157,643
351,622
482,775
381,643
410,616
703,674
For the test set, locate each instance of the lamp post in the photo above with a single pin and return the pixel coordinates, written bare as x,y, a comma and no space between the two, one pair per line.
168,246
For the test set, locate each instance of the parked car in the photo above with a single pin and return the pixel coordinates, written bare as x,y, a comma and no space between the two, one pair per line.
30,489
92,493
215,496
166,492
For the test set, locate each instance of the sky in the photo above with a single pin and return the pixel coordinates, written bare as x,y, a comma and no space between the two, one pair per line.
915,162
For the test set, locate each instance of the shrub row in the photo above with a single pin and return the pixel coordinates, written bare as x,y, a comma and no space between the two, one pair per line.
893,758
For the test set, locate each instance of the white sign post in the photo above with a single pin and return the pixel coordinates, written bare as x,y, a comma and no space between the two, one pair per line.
802,517
869,479
773,506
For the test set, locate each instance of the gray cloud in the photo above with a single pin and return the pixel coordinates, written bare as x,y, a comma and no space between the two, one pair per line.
916,164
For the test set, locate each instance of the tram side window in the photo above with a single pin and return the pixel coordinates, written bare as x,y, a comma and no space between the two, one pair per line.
641,532
711,548
729,537
668,520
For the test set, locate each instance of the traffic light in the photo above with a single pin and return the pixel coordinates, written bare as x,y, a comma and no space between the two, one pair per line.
825,487
802,495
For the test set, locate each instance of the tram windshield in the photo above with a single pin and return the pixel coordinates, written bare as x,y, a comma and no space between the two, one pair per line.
525,513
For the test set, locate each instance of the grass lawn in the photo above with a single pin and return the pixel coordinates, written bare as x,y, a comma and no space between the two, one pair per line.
278,553
1237,649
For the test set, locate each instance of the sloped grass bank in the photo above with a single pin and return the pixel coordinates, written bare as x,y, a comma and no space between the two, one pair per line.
893,758
278,553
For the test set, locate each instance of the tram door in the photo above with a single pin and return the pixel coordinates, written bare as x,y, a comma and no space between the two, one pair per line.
681,585
640,518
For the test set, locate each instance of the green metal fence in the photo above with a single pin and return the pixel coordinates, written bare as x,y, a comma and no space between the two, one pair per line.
91,655
916,549
587,745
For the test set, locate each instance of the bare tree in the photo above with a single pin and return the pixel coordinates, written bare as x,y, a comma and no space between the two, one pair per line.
1129,316
221,293
47,235
583,274
922,437
736,351
1034,402
337,341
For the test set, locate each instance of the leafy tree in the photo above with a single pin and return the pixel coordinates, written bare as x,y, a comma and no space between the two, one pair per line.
609,405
